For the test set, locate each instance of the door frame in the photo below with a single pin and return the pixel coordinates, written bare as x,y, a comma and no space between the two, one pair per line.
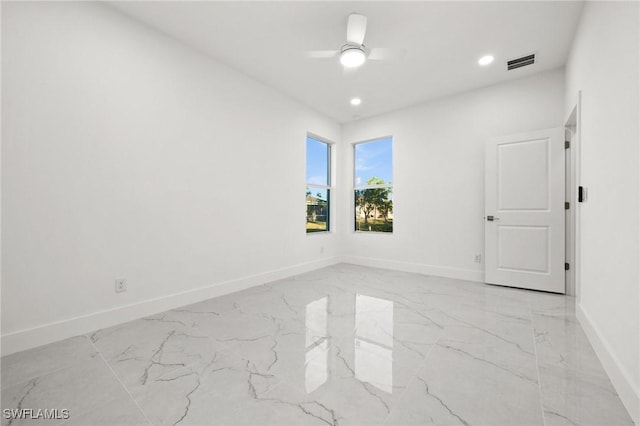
572,225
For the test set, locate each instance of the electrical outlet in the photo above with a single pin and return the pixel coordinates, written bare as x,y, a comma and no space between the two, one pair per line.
121,285
477,258
321,249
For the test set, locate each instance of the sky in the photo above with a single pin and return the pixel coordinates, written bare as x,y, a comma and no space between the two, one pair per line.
317,167
373,159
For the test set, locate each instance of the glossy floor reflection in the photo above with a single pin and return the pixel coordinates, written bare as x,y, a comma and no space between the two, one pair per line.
341,345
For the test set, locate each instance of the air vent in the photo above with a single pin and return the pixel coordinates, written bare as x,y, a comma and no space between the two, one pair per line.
521,62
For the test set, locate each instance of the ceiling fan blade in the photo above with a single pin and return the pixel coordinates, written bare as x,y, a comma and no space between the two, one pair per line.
322,53
383,53
356,28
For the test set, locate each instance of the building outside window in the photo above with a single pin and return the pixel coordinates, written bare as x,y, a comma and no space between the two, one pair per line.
318,195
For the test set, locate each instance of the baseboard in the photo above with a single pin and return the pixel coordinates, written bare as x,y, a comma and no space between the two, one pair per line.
420,268
53,332
620,377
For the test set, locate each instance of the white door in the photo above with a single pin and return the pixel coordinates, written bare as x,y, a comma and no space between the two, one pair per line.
524,211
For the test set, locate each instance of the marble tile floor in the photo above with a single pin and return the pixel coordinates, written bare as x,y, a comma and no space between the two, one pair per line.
343,345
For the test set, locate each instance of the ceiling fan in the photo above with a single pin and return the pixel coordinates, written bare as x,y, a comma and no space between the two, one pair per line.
354,53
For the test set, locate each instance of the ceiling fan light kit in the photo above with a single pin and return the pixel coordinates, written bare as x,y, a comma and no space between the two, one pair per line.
352,56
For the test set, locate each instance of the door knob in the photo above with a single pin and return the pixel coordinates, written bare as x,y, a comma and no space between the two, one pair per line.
491,218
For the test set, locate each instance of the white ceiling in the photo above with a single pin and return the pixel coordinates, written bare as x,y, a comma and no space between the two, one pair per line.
267,40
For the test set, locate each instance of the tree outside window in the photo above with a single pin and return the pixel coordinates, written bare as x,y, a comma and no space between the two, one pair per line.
373,189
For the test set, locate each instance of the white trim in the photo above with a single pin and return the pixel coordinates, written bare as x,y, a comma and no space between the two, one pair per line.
355,188
419,268
320,138
573,124
55,331
389,136
620,377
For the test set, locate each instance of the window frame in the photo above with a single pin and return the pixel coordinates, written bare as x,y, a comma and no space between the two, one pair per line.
356,187
329,187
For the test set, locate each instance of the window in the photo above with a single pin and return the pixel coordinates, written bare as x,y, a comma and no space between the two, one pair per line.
318,185
373,187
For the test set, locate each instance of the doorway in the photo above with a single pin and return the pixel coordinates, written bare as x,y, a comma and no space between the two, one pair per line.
525,211
572,217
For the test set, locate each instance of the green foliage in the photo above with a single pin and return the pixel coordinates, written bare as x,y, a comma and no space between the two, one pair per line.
373,204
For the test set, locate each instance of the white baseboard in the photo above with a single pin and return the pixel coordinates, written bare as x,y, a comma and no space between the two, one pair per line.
420,268
53,332
620,377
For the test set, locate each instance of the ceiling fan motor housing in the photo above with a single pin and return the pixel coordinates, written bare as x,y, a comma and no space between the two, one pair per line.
353,55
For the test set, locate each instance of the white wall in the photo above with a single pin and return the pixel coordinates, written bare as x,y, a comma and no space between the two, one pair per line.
603,65
439,173
127,154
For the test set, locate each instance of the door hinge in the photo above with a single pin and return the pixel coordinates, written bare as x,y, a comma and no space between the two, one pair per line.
567,205
567,144
566,266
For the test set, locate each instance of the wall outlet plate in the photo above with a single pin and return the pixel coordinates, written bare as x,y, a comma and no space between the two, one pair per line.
121,285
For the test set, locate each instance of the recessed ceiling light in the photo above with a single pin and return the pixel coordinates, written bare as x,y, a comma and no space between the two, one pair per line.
356,101
352,56
485,60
